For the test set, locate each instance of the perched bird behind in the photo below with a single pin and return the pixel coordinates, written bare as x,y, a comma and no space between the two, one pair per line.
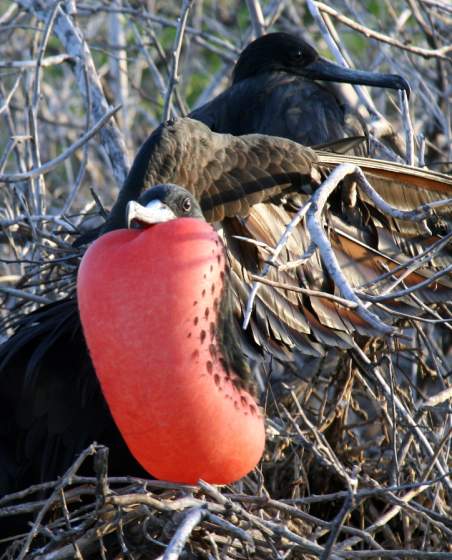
278,88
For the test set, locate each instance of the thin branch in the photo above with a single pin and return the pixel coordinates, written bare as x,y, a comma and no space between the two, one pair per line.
316,293
277,250
76,47
10,95
316,230
174,72
426,53
46,167
181,536
44,62
256,17
405,415
407,127
402,293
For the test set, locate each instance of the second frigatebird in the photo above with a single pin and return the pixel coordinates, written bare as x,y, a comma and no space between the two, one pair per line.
278,88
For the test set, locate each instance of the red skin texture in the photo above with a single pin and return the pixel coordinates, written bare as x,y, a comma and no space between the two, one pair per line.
148,302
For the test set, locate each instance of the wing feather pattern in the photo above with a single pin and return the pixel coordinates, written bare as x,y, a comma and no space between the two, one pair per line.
253,184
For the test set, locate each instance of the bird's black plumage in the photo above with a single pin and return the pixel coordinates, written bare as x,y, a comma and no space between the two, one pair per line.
274,92
50,402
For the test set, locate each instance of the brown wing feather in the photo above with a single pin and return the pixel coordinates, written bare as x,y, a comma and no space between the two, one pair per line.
239,179
227,174
376,244
393,177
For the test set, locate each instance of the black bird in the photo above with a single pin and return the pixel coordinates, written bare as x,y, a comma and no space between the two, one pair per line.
274,91
50,403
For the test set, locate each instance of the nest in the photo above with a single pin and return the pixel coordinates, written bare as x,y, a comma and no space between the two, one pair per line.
357,462
329,486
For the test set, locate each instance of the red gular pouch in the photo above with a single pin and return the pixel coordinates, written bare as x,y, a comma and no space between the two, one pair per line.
149,301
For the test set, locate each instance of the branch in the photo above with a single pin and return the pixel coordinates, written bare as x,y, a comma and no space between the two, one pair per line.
316,230
405,415
426,53
256,17
316,293
72,40
181,536
174,74
402,293
44,62
407,127
46,167
279,247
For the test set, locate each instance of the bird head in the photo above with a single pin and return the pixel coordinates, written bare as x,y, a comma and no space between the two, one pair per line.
271,53
162,203
288,53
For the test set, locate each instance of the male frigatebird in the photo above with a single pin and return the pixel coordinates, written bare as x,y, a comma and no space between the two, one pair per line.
51,406
168,356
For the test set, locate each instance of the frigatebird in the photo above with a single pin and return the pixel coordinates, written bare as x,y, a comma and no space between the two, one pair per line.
280,86
50,412
168,358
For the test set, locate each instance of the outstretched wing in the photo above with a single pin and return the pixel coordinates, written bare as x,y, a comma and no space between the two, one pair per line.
227,174
367,243
253,185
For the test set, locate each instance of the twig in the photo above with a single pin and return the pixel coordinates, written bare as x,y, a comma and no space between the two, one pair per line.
44,62
407,127
256,17
437,399
38,182
405,415
277,250
46,167
418,260
318,201
72,39
174,72
427,53
178,541
73,192
10,95
316,293
406,291
23,294
49,502
334,48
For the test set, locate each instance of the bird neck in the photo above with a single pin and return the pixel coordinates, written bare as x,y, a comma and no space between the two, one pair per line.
150,167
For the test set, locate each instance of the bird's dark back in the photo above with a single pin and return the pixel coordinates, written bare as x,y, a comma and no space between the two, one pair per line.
280,104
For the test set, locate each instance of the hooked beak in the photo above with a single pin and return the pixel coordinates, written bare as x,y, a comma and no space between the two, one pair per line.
323,69
155,212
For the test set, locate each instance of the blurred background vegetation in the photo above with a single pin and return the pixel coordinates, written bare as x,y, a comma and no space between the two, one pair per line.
124,37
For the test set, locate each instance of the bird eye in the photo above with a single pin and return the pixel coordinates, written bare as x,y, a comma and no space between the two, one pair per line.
186,205
299,54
